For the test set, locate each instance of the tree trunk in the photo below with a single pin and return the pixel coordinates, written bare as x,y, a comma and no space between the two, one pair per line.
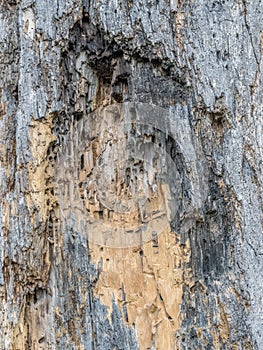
131,174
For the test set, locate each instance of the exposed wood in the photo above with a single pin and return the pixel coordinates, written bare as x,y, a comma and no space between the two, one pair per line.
131,174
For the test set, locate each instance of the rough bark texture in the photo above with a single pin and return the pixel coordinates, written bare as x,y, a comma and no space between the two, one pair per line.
173,89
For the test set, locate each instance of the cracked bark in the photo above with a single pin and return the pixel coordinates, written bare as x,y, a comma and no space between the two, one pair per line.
188,75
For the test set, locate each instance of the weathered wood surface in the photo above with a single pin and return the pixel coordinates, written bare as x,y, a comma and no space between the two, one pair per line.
173,89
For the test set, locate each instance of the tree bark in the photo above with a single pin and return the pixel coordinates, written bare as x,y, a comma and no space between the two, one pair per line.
131,174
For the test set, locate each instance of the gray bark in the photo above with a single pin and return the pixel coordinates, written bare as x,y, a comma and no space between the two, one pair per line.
172,88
